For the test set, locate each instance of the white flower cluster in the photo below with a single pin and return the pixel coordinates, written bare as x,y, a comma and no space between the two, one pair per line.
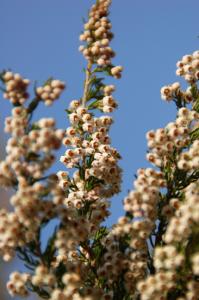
167,257
142,205
17,123
168,261
175,135
90,144
156,287
30,209
97,176
188,67
117,71
16,88
195,263
97,35
174,91
29,155
11,234
70,292
25,146
16,284
133,262
151,252
107,104
98,179
189,160
20,227
143,201
113,260
181,225
170,91
192,291
72,282
70,235
50,91
42,277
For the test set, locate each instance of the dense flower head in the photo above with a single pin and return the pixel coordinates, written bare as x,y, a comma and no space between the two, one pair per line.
156,287
78,200
11,234
88,142
16,284
29,154
97,35
176,135
162,211
15,87
181,225
188,67
151,253
51,91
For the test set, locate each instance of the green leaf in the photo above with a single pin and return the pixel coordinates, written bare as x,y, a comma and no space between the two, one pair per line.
32,156
81,173
98,250
85,209
106,70
68,111
93,182
102,232
95,88
89,161
124,243
41,292
34,127
59,272
194,91
194,135
2,74
27,257
94,104
48,81
33,105
50,248
196,105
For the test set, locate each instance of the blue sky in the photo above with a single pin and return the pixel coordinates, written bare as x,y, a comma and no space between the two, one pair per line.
40,39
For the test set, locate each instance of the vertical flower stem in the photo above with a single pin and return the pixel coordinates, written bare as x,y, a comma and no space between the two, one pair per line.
86,84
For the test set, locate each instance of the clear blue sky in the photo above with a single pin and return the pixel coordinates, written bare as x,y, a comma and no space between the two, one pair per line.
40,39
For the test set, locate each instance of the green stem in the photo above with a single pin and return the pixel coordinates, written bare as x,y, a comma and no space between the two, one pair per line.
87,83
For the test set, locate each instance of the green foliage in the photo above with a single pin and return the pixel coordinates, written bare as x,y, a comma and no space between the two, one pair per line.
98,248
92,182
49,252
194,135
44,294
33,105
27,255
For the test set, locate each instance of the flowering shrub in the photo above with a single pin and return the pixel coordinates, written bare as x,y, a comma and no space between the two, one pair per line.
153,251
